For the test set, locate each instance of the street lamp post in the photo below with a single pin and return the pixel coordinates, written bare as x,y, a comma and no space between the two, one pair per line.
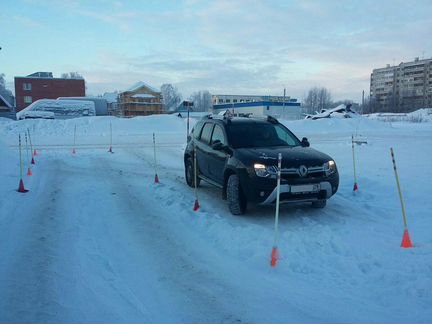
283,107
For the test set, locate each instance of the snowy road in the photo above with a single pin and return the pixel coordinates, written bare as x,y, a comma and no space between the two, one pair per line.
95,240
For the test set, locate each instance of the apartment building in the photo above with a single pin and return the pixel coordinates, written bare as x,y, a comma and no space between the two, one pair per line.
402,88
42,85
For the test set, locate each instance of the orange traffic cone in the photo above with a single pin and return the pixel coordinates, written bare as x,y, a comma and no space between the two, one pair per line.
196,205
406,241
110,150
156,178
34,153
33,161
21,187
355,186
73,151
274,257
29,172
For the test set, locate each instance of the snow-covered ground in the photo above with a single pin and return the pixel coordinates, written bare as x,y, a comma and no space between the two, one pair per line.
95,240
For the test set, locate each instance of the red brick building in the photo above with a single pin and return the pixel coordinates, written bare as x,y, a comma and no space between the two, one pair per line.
42,85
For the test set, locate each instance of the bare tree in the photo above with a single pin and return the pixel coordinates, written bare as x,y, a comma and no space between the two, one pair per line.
317,99
171,97
202,100
371,105
71,75
5,93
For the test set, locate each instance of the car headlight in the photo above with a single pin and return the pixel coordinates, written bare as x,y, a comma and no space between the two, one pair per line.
329,167
265,171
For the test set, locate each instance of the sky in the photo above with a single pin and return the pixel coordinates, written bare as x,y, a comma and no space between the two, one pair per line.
227,47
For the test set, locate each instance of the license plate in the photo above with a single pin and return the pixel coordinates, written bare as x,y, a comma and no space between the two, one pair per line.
305,188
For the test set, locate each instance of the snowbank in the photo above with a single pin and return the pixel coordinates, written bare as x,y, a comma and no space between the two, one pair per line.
94,227
418,116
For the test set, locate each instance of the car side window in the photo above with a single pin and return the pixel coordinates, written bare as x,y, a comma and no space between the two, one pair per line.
284,136
197,130
218,135
206,133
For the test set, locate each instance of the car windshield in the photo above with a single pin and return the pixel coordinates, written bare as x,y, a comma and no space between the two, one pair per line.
260,135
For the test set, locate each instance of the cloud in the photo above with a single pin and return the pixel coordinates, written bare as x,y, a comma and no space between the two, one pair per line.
250,46
27,21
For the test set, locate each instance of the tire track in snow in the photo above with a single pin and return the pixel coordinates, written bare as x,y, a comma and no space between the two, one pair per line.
195,288
30,271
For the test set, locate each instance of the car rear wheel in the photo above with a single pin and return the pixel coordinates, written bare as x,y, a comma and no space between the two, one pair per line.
190,174
319,203
236,200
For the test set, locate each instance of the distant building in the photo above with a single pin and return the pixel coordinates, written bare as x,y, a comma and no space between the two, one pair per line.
140,100
402,88
5,106
42,85
230,99
184,106
112,101
101,104
286,110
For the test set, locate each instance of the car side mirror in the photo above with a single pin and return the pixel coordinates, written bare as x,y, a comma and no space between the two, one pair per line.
217,146
305,142
189,138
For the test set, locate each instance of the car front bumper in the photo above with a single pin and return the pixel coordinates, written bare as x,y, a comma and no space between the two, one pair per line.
324,191
264,190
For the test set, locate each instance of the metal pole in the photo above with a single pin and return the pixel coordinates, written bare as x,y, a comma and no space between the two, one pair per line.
27,151
31,145
195,174
283,109
188,108
111,134
399,189
154,153
276,232
274,253
354,164
19,137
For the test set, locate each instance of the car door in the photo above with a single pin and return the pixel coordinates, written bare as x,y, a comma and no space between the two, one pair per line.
203,149
217,158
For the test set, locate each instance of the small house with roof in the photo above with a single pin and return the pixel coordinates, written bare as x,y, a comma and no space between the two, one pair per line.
140,100
5,106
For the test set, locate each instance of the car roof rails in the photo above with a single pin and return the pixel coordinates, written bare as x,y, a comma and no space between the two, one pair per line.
272,120
224,117
268,118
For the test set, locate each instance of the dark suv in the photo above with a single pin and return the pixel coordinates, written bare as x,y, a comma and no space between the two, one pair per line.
239,155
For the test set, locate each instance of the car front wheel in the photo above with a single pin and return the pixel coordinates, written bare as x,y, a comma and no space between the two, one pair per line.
190,174
236,199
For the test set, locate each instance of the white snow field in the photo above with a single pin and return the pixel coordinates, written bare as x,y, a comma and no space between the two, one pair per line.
95,240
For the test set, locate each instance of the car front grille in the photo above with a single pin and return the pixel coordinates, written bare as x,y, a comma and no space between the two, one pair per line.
294,173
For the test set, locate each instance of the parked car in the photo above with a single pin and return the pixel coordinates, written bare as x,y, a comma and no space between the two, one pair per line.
239,155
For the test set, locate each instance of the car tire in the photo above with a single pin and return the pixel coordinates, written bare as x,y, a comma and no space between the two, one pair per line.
189,174
319,203
236,200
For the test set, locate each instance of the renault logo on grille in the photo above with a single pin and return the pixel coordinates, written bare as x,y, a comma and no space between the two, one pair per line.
302,171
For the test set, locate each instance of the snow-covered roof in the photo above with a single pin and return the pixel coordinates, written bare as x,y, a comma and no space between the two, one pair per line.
110,96
143,95
343,111
4,102
140,84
